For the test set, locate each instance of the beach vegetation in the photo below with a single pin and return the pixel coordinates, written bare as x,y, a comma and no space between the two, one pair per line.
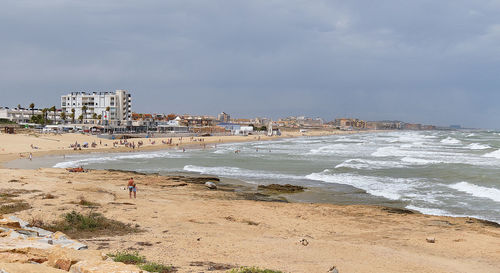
135,258
127,257
10,205
14,207
252,270
78,225
155,267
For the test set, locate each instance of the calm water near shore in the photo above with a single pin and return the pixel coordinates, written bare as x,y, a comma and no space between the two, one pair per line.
440,173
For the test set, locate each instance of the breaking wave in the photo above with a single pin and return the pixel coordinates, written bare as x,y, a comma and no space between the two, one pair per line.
477,191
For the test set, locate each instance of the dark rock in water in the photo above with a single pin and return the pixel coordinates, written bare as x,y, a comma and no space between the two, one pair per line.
287,188
255,196
195,179
398,210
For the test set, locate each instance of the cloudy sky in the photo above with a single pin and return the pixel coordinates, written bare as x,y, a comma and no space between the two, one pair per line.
434,62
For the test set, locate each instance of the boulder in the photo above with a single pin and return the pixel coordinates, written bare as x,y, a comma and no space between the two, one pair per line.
430,240
211,185
64,258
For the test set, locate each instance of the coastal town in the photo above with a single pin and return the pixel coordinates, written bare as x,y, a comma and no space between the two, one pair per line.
112,113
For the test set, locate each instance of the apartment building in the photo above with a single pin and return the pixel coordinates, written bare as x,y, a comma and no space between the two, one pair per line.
119,104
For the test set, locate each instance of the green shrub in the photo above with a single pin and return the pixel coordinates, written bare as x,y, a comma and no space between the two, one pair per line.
154,267
128,257
77,225
14,207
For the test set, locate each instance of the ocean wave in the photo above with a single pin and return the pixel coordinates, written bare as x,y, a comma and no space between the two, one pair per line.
494,154
335,149
239,172
420,161
477,191
363,164
451,141
116,157
390,188
389,151
429,211
478,146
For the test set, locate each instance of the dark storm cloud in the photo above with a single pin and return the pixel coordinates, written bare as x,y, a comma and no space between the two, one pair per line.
421,61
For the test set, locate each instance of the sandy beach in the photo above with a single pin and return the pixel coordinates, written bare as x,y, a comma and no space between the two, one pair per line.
15,146
184,224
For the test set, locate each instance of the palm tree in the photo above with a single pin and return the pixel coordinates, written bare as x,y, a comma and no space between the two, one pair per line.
32,107
53,109
84,111
63,117
80,118
19,106
44,115
72,115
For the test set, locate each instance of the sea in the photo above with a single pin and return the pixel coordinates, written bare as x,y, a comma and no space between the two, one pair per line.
452,173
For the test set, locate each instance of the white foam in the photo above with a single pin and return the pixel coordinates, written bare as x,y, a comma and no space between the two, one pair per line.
113,157
239,172
451,141
495,154
336,149
389,151
477,191
478,146
390,188
364,164
429,211
419,161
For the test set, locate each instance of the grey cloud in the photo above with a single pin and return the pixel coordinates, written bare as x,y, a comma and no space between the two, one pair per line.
422,61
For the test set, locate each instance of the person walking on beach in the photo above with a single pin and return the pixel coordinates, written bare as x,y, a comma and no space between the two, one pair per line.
31,156
132,187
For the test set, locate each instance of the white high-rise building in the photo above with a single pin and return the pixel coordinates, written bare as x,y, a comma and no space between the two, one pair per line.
119,103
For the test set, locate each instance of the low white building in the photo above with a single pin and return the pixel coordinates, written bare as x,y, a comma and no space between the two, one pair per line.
119,103
23,116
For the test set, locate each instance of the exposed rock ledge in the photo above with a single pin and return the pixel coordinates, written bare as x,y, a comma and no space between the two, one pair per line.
30,249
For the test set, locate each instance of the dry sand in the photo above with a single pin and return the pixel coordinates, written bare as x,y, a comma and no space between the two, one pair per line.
188,225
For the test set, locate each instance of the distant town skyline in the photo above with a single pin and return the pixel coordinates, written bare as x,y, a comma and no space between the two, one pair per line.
423,61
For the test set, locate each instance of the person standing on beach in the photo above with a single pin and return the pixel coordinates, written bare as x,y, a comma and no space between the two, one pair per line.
132,187
31,156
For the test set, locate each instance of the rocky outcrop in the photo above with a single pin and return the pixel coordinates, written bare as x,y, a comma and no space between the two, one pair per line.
31,249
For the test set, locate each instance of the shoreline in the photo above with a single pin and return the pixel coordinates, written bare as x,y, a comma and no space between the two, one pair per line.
191,227
228,140
55,151
184,223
